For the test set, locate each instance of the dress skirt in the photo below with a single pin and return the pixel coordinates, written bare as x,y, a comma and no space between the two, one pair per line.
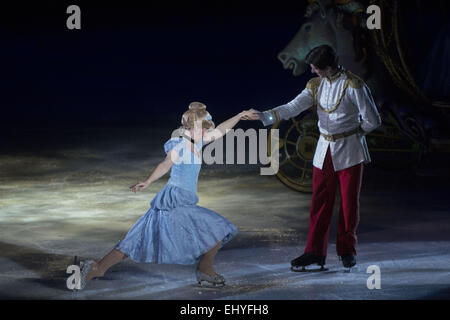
175,230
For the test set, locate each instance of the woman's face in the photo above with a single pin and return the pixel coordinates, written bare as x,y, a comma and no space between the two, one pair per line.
198,132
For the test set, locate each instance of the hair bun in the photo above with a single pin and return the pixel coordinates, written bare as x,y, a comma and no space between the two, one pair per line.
197,106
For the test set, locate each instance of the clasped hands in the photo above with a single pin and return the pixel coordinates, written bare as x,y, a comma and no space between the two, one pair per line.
251,114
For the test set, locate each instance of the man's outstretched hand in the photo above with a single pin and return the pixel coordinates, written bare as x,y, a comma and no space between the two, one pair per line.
254,115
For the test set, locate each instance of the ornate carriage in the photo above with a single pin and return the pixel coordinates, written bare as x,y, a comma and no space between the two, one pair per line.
405,136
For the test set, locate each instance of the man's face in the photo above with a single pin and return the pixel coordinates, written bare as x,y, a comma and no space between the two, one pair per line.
320,72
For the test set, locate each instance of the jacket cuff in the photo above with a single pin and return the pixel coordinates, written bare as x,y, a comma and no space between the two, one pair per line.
268,117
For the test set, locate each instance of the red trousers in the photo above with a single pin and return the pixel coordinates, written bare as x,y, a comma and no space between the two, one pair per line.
324,190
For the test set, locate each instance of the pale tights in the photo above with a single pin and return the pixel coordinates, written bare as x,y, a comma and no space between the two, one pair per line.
115,256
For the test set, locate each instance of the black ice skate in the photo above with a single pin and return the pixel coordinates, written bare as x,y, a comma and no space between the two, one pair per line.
76,262
348,261
306,259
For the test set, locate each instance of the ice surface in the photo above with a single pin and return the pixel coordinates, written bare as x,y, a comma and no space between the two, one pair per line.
72,197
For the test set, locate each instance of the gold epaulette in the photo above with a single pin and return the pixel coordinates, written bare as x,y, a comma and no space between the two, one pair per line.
313,84
354,81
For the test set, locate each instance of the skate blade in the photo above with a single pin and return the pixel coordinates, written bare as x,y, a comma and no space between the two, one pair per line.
348,270
303,269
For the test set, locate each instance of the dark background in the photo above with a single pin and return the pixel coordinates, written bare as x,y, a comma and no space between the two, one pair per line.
137,62
133,62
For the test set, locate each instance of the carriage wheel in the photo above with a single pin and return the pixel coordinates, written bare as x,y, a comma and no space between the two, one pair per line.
297,145
394,148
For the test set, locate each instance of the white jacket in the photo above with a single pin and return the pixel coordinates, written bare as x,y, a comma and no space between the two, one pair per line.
344,103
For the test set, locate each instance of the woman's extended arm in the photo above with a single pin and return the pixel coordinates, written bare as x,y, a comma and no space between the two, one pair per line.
225,126
161,169
291,109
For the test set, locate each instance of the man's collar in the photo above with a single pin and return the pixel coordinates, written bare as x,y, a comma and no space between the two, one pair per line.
336,75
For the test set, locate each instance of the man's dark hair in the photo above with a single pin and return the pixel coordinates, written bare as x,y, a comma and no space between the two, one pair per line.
322,57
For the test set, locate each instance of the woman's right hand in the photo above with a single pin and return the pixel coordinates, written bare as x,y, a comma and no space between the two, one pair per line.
139,186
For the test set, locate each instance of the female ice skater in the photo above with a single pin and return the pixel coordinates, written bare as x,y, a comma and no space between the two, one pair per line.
175,230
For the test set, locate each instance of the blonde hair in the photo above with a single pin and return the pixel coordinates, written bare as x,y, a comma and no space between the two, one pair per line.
197,112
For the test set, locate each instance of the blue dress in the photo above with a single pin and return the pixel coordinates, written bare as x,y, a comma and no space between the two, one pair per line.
175,230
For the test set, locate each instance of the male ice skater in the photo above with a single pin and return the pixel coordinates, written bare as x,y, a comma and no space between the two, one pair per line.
346,113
